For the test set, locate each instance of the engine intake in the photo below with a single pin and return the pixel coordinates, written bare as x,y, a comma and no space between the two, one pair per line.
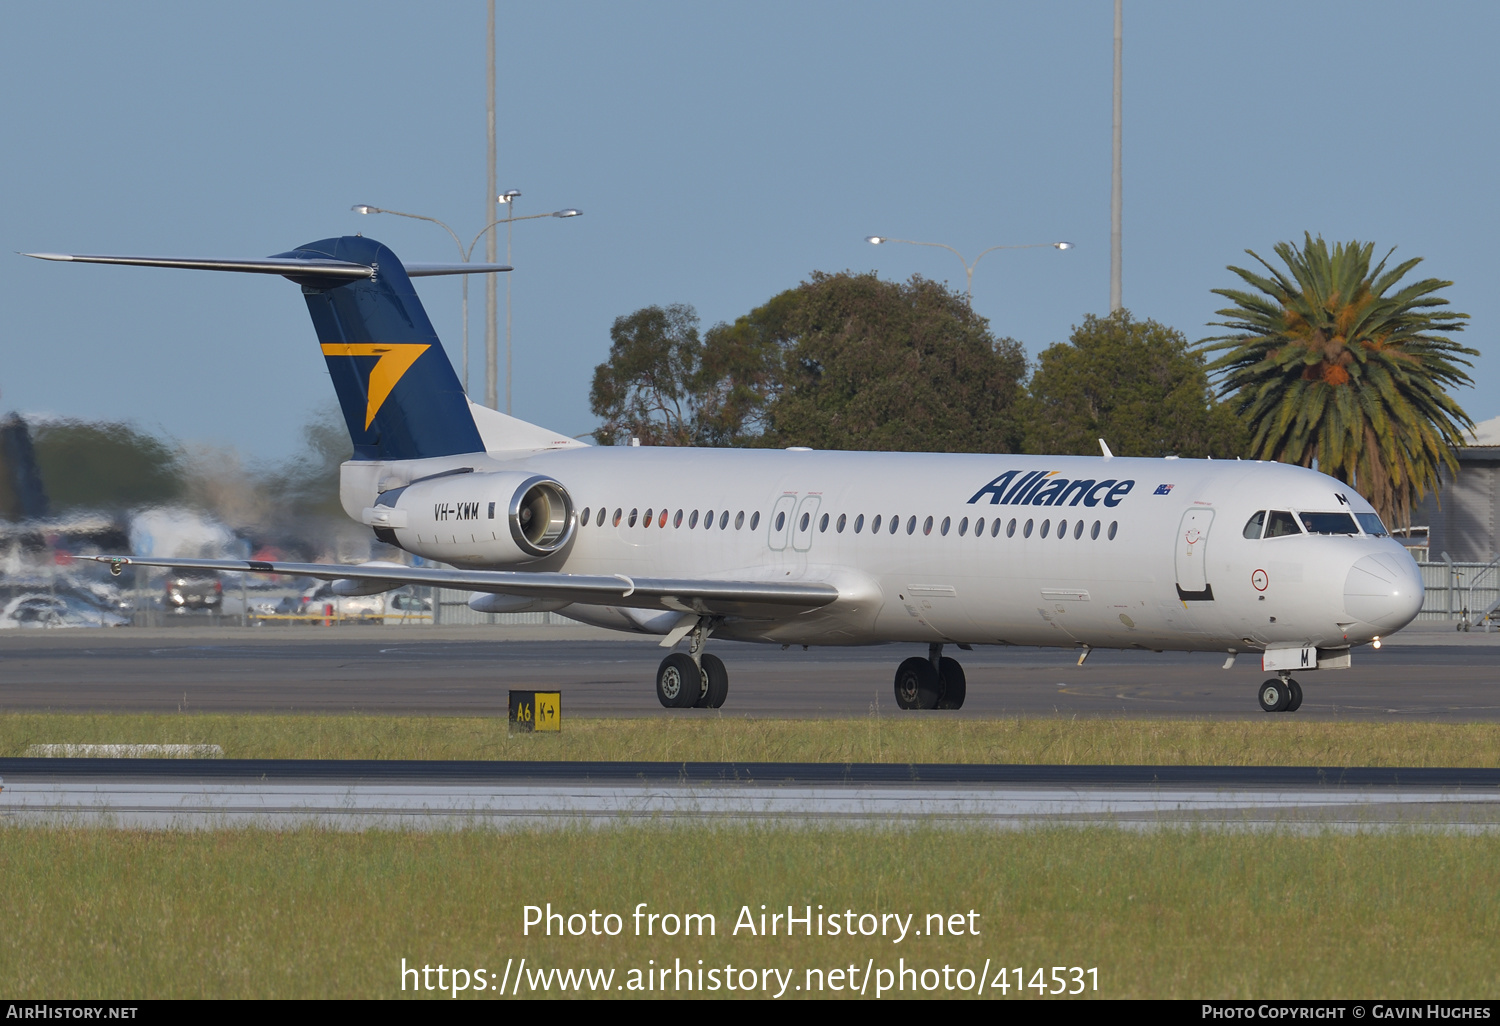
541,516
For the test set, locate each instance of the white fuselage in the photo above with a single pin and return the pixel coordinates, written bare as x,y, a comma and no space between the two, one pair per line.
1151,553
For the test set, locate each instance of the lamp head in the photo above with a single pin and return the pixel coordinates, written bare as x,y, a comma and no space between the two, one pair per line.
364,208
569,212
508,195
1062,245
874,240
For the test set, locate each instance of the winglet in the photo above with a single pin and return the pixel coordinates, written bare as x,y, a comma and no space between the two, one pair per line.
1107,454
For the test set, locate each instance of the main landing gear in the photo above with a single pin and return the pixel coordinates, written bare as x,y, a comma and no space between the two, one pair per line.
932,683
693,679
1281,694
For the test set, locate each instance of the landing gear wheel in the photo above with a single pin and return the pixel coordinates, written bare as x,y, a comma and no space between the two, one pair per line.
716,683
953,685
679,682
917,684
1296,695
1275,695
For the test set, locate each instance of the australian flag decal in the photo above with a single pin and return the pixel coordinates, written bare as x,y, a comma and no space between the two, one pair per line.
1162,489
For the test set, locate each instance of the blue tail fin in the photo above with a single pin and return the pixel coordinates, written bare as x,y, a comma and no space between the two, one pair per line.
400,396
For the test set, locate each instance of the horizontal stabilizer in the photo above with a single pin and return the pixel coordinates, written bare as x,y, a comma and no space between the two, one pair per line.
768,599
428,270
289,266
271,265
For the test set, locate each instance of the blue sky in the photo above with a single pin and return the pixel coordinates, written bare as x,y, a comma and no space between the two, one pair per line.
720,153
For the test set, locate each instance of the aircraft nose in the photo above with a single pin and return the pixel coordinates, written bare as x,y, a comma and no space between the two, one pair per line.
1384,590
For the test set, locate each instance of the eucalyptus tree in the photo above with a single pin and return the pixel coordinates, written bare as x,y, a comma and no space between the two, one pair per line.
1333,360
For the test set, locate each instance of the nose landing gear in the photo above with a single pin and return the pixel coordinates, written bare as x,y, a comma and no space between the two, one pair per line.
1282,694
932,683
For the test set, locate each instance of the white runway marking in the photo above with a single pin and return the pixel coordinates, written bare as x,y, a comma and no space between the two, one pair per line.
171,805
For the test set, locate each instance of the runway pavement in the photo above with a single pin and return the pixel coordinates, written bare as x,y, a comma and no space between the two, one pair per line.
1431,675
356,795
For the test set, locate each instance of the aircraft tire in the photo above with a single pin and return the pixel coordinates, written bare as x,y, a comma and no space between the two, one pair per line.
954,685
1295,702
1274,695
716,683
917,684
678,681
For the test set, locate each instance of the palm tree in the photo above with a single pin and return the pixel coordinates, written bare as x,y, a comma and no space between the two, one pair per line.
1330,361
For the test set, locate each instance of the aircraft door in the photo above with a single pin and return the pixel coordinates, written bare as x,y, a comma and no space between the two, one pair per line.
1191,556
779,523
805,523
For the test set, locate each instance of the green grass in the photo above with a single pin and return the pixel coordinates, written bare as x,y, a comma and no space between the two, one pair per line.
900,739
251,913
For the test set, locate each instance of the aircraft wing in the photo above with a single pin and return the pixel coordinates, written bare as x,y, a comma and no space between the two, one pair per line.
760,599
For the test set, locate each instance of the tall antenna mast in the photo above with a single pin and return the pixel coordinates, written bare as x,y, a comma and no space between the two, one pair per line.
491,329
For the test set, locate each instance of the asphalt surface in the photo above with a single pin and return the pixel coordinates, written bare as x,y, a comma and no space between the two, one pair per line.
1435,675
435,773
359,795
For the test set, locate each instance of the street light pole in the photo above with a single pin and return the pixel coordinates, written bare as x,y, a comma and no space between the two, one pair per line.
1116,295
466,255
508,197
877,240
365,208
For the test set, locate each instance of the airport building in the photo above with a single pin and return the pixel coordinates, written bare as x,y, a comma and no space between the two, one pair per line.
1462,517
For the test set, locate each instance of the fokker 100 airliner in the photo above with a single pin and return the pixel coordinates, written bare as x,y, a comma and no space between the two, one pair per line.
819,548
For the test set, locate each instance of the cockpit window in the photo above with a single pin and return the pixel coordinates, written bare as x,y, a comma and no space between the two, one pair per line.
1372,525
1329,523
1281,524
1254,525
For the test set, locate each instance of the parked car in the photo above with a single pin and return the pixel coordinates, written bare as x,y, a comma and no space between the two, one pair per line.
63,609
194,590
390,607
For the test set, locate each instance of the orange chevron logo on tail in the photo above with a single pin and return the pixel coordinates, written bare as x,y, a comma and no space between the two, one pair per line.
395,360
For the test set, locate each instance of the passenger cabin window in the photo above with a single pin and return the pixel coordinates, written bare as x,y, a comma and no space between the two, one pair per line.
724,520
635,515
739,520
895,523
1254,525
780,521
1329,523
859,523
692,520
843,519
708,520
583,518
823,524
1281,524
754,520
1372,525
875,524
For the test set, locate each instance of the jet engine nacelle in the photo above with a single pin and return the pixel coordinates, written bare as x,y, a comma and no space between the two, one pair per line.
470,519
